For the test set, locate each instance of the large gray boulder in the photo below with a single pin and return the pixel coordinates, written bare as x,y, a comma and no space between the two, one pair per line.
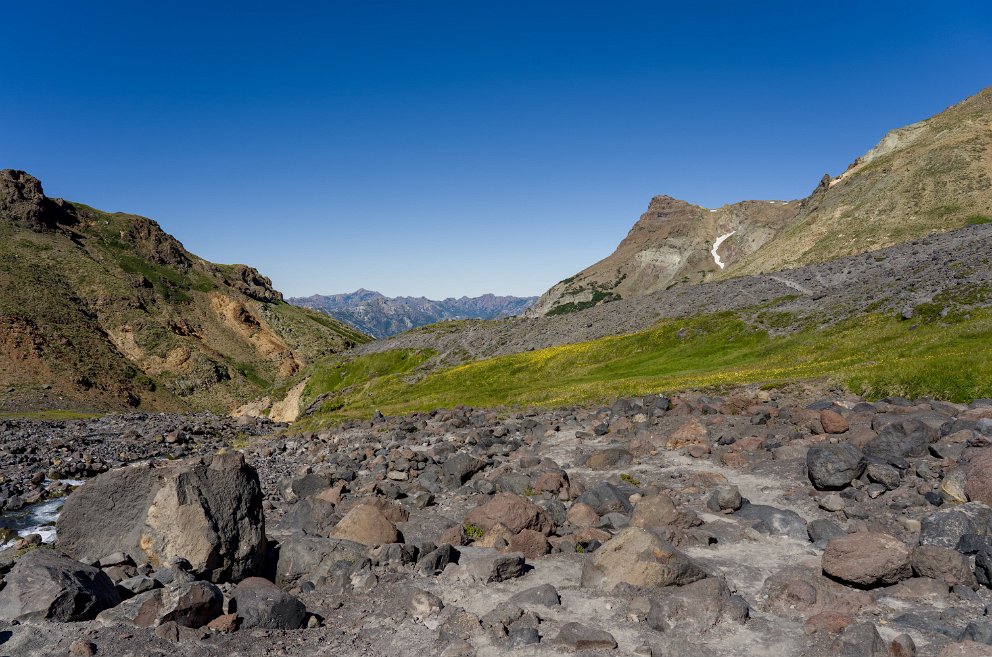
207,511
831,467
47,585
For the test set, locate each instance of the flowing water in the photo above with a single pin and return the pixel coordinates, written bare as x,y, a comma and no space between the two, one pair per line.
37,518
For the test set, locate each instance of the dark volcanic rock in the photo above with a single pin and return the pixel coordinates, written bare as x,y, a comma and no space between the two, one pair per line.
260,603
832,467
206,511
944,528
48,585
23,202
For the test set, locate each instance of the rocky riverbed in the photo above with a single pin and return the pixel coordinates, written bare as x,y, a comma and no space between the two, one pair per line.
793,522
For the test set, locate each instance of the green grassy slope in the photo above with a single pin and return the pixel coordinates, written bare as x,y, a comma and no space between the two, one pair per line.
875,355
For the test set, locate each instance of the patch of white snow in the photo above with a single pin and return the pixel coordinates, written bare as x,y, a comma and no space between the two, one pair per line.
716,247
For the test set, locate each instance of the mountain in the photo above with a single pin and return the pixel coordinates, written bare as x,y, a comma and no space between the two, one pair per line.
671,244
931,176
381,316
935,175
107,311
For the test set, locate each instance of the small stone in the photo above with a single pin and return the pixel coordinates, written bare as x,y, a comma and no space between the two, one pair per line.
575,637
81,648
832,502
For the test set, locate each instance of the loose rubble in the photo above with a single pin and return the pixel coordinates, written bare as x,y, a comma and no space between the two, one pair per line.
761,522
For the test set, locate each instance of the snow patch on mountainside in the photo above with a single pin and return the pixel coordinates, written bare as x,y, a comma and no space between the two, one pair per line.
716,247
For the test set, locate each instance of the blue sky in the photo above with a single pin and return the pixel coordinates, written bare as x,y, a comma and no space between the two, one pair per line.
447,148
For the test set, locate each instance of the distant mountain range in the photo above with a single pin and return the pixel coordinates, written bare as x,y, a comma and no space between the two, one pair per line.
380,316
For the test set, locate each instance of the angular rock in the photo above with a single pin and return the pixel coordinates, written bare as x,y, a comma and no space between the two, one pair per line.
942,563
945,527
725,498
310,557
860,640
193,604
606,498
260,603
867,559
47,585
530,543
365,524
575,637
639,558
655,511
207,511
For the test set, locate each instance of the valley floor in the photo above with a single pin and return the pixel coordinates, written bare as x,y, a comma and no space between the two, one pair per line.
782,522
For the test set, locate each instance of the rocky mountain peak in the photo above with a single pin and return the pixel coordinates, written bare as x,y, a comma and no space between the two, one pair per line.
23,202
251,283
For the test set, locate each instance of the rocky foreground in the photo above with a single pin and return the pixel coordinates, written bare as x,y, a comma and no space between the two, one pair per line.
762,523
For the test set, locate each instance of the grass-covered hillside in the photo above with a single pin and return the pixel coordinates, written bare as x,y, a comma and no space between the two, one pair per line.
103,311
944,350
932,176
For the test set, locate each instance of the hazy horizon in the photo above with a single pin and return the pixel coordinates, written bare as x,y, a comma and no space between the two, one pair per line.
453,150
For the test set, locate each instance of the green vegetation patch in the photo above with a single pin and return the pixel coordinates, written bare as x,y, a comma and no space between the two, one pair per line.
875,355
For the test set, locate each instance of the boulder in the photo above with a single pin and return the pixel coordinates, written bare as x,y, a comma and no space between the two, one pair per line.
697,608
260,603
513,512
867,559
207,511
310,515
860,640
902,439
945,527
978,485
607,498
544,594
795,592
774,521
47,585
530,543
942,563
193,604
659,510
311,557
831,467
365,524
639,558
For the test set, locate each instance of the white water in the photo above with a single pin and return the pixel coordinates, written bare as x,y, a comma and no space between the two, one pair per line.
716,247
37,518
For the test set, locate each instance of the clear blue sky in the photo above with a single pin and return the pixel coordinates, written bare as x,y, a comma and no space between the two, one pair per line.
448,148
